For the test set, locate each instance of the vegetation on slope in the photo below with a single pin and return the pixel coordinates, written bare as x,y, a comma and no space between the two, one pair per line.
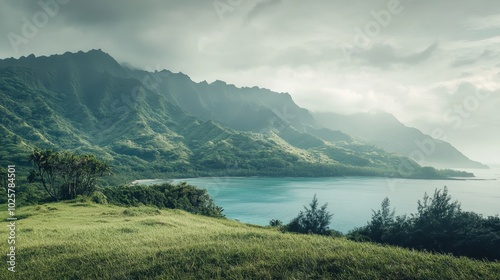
64,175
165,196
439,225
88,103
75,240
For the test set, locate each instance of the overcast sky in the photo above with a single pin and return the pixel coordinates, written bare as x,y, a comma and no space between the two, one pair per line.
435,65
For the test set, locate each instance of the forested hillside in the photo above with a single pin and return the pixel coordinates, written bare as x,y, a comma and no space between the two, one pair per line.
163,124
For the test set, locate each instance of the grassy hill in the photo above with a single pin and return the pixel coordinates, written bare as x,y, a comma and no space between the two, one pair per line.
74,240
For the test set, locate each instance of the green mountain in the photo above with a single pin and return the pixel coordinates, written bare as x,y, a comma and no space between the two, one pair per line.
163,124
384,130
243,109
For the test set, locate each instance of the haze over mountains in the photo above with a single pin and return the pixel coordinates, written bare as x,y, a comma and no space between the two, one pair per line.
384,130
164,124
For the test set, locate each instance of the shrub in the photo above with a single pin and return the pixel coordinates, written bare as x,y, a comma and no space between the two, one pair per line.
275,223
180,196
82,199
99,198
314,220
439,225
378,228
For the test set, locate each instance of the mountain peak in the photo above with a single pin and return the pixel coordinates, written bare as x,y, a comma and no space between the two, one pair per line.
99,51
91,54
218,82
94,59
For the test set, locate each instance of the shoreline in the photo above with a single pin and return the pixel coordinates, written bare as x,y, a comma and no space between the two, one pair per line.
170,180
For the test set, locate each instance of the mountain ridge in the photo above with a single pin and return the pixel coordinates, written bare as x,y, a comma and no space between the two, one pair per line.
394,136
164,124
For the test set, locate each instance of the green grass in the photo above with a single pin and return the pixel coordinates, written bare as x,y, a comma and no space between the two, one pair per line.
90,241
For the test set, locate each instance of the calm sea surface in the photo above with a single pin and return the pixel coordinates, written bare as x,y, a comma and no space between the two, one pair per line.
350,199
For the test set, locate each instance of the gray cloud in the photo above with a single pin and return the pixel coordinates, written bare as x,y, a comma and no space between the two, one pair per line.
386,56
470,61
289,46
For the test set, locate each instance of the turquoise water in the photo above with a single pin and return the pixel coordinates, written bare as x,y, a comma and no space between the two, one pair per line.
350,199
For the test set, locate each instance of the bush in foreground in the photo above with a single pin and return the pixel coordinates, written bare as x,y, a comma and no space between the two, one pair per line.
439,226
313,220
275,223
180,196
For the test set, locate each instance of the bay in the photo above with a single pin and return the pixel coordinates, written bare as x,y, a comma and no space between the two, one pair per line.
351,199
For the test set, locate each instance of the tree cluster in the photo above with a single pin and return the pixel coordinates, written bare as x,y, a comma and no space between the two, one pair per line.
180,196
439,225
64,175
